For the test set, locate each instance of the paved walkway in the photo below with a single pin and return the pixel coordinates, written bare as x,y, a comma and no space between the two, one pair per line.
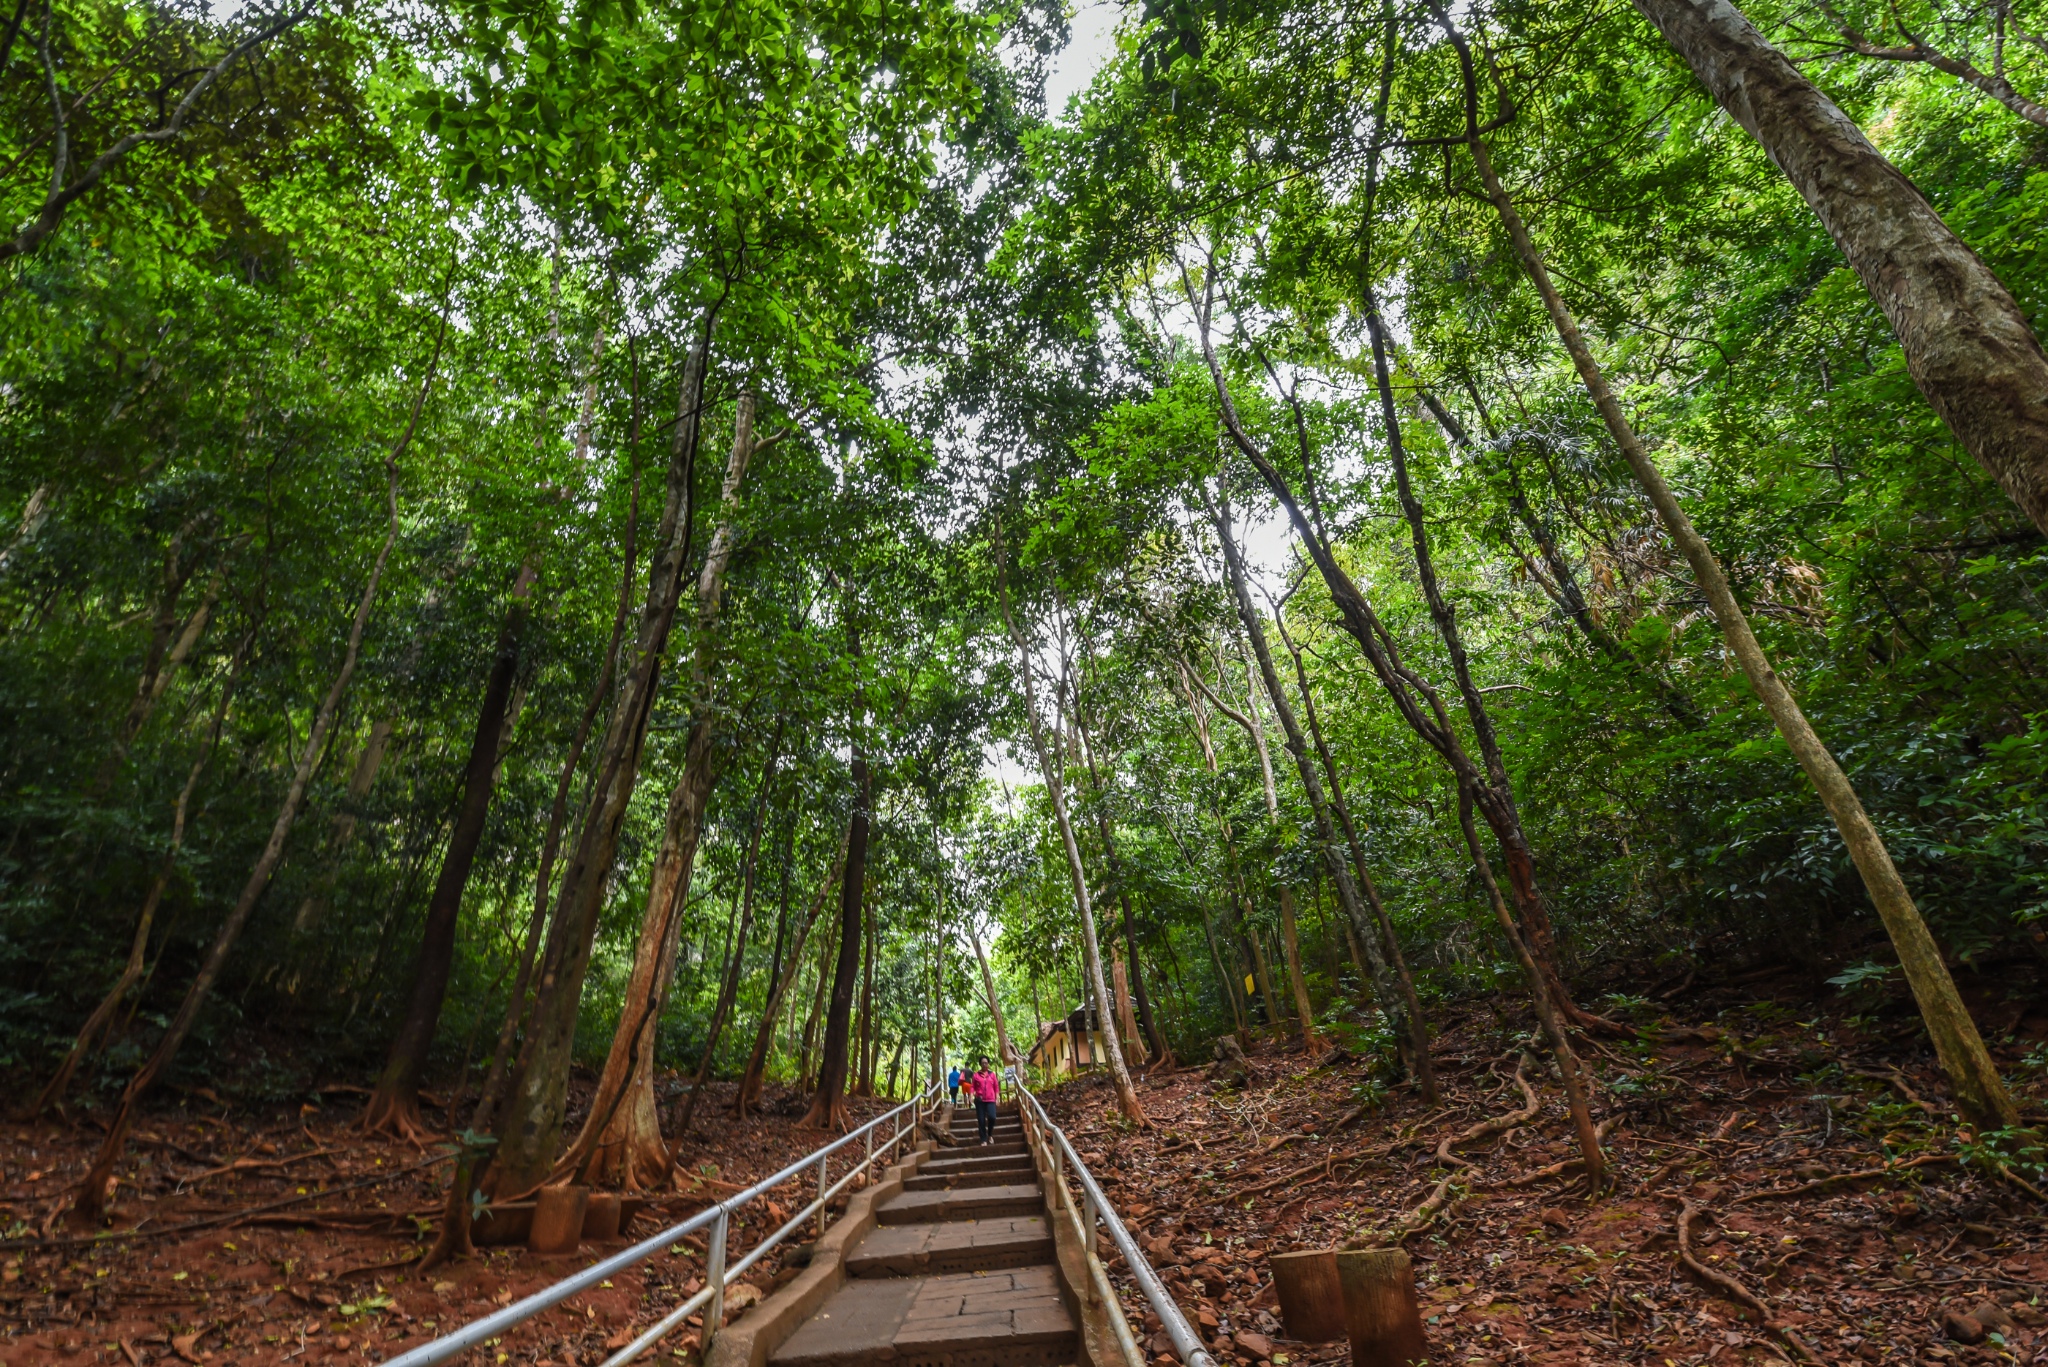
958,1272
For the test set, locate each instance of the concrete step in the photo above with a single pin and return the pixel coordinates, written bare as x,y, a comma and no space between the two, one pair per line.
1004,1318
1020,1170
999,1147
952,1246
966,1203
972,1159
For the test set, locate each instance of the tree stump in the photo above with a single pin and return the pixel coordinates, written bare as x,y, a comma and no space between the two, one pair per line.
1311,1301
601,1216
558,1219
1380,1313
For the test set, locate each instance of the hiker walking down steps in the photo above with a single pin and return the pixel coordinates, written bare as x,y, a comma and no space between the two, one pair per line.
987,1089
953,1085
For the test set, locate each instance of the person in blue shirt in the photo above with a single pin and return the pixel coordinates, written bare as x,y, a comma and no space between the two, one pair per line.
953,1085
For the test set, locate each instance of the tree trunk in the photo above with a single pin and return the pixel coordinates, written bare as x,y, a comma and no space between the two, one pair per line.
1547,1015
394,1107
1154,1044
895,1068
1120,984
777,957
807,1076
937,1043
1389,941
828,1103
1247,928
161,663
1402,1013
1291,943
1418,702
1262,975
1972,1074
1155,1039
1225,980
539,1093
497,1074
90,1204
1004,1049
728,987
1966,340
757,1061
1126,1094
313,909
621,1142
1557,578
1239,1010
1496,793
864,1077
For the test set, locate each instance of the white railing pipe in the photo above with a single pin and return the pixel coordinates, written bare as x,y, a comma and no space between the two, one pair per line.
717,1216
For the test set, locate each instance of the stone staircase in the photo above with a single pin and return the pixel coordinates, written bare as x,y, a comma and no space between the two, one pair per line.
959,1271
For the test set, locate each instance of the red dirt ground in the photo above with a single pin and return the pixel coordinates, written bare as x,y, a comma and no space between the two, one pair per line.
322,1279
1727,1112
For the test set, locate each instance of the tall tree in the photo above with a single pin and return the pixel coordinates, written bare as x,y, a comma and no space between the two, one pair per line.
1967,342
1971,1071
1407,1024
827,1110
538,1095
394,1105
621,1141
1049,767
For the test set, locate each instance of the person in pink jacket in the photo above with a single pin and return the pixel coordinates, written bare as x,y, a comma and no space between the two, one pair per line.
987,1089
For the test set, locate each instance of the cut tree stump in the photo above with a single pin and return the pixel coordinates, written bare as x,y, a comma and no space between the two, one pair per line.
1311,1301
1381,1316
558,1219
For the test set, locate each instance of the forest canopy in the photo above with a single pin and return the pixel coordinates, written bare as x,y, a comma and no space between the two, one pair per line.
687,540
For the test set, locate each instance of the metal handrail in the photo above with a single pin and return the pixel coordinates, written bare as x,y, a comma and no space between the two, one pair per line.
717,1275
1186,1343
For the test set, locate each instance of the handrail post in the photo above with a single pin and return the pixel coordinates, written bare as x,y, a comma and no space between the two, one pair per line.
822,1160
714,1276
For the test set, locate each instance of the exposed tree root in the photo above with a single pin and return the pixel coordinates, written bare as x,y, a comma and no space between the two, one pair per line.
1860,1175
397,1117
1415,1221
1420,1218
1558,1169
1497,1124
2023,1184
1311,1172
1733,1289
1892,1077
256,1164
225,1221
835,1119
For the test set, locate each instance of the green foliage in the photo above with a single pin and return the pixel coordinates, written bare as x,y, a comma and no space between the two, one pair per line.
970,331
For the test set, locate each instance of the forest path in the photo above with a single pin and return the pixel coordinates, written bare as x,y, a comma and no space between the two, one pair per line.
958,1270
